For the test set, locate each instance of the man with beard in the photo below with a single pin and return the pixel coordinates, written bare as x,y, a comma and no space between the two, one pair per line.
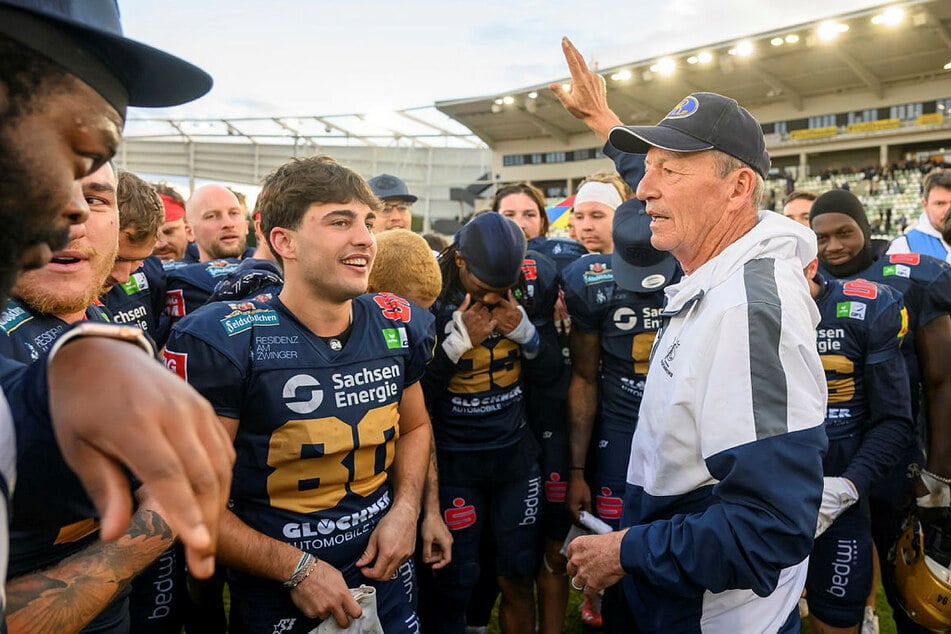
220,229
173,239
931,235
46,300
846,251
66,77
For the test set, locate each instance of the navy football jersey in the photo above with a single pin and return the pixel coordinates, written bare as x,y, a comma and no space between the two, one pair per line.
627,322
51,515
141,301
925,285
868,416
189,287
317,426
479,402
861,324
31,333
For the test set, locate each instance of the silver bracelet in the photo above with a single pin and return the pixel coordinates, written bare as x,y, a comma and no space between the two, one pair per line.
301,571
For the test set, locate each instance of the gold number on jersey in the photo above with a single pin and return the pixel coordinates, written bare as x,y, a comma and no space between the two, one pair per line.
840,390
317,461
641,350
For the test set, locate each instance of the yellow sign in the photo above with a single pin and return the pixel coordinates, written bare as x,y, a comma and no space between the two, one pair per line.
935,118
872,126
813,133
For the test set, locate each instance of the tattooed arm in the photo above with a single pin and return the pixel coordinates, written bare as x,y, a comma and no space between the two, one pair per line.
70,594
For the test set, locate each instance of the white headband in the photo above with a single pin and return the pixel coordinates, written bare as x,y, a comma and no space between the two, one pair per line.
595,192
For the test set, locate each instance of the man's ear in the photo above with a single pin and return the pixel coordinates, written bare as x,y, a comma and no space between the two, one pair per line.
284,243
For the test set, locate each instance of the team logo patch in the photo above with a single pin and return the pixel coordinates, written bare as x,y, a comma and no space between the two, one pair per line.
530,269
850,310
177,362
297,397
245,316
395,338
175,303
684,109
597,272
136,283
13,316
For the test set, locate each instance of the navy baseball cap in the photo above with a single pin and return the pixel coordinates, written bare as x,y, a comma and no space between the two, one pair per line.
84,37
637,265
494,248
702,121
389,186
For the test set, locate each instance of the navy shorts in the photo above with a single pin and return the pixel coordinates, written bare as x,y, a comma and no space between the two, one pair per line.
552,436
510,511
840,569
611,442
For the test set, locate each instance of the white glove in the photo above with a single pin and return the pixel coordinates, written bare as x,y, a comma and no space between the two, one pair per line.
457,341
524,331
838,494
939,493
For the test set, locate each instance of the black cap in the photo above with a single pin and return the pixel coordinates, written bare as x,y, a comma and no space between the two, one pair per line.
494,248
637,265
389,186
84,37
702,121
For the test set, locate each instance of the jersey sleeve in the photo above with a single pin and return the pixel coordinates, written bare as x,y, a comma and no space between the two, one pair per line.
890,430
583,311
422,343
195,352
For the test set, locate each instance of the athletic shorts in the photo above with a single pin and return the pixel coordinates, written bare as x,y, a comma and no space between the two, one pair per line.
611,442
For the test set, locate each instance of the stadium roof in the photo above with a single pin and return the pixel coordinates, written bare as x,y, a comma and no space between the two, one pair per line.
868,51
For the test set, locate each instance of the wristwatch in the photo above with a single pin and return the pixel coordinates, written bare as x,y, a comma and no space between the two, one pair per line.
130,334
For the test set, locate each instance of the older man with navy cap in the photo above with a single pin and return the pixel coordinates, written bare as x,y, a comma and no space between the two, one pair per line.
735,391
67,75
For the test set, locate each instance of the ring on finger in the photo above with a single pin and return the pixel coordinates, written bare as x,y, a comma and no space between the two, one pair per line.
575,586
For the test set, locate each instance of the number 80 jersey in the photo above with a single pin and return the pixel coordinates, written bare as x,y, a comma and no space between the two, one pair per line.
317,427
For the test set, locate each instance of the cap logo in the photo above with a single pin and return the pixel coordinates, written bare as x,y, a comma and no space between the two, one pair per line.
653,281
684,109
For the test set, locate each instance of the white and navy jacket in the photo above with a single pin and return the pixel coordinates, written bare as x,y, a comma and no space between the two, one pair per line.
725,476
923,238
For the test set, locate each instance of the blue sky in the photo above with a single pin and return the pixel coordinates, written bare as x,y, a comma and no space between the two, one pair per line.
286,57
